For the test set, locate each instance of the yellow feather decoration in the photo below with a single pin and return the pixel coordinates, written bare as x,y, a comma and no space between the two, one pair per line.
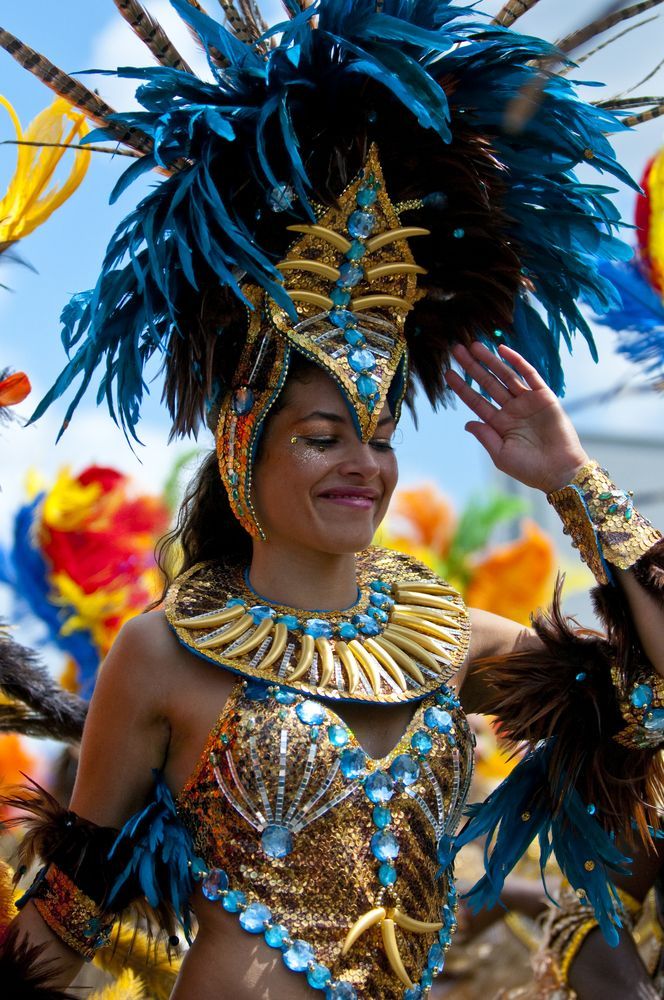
144,957
127,987
32,196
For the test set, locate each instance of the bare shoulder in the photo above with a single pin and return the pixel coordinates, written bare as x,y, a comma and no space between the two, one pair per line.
493,635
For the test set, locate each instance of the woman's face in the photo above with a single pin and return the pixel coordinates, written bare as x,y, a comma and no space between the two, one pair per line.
315,484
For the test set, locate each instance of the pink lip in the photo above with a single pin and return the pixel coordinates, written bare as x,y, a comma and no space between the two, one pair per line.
356,497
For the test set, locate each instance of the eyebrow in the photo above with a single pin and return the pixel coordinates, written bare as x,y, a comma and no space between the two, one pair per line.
335,418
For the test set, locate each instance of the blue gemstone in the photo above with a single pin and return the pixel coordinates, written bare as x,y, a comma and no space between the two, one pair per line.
381,600
378,615
199,870
379,787
298,956
318,977
366,386
366,197
380,587
436,956
353,764
276,935
355,338
255,918
445,938
361,360
215,883
447,915
285,697
259,613
387,874
337,735
340,297
405,769
340,991
591,809
233,478
243,401
654,720
347,631
444,850
356,250
381,816
256,691
641,696
350,274
234,901
421,742
276,841
459,233
414,993
281,198
318,628
311,713
290,621
341,318
445,696
426,980
366,625
236,602
384,846
361,225
438,719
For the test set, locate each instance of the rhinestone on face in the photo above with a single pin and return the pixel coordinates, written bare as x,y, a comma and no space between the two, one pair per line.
298,956
379,787
384,846
337,736
215,883
353,764
405,769
318,628
276,936
255,918
276,841
310,713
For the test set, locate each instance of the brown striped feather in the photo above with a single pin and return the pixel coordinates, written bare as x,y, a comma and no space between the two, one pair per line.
512,11
151,34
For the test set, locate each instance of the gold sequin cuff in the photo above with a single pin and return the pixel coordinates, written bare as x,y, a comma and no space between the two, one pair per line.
642,708
73,916
602,521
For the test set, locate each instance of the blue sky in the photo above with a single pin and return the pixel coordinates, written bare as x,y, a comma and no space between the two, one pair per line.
66,252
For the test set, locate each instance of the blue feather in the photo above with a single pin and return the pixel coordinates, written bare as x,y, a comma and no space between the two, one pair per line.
637,317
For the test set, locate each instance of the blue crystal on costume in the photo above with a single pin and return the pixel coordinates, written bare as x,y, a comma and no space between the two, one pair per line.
215,883
361,360
281,198
641,696
366,387
255,918
444,851
654,720
318,977
298,956
236,602
243,401
366,197
234,901
380,587
438,719
421,742
350,274
318,628
445,938
405,769
356,251
384,846
276,841
276,936
290,621
353,764
366,625
256,691
414,993
355,338
347,631
340,991
426,979
199,869
447,915
387,874
378,615
436,956
381,816
340,297
361,225
380,600
379,787
341,318
260,612
285,697
311,713
337,735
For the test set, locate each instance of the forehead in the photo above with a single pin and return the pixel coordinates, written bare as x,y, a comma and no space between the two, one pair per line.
316,396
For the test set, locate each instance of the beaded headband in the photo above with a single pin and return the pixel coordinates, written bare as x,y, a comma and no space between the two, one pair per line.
353,280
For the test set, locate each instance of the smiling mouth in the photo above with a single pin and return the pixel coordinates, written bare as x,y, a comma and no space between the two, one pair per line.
359,501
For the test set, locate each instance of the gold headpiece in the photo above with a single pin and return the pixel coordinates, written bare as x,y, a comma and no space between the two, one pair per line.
353,280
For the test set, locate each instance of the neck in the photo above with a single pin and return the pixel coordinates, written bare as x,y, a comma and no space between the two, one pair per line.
302,578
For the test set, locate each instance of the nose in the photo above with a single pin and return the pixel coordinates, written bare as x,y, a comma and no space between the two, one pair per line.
360,460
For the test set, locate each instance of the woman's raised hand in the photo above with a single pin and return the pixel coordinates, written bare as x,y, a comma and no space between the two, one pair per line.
522,425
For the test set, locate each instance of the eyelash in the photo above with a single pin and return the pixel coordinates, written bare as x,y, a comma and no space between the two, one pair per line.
320,442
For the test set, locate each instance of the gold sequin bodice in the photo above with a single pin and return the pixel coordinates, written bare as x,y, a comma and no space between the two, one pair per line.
287,811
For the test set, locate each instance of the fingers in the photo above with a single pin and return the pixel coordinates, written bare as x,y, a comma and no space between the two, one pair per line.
530,375
497,366
475,364
487,436
480,406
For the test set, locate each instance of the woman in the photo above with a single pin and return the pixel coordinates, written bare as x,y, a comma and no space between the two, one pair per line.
298,268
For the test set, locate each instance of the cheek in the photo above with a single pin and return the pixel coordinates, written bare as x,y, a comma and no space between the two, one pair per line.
284,476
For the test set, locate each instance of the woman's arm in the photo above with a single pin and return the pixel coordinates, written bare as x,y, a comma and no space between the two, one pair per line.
126,736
